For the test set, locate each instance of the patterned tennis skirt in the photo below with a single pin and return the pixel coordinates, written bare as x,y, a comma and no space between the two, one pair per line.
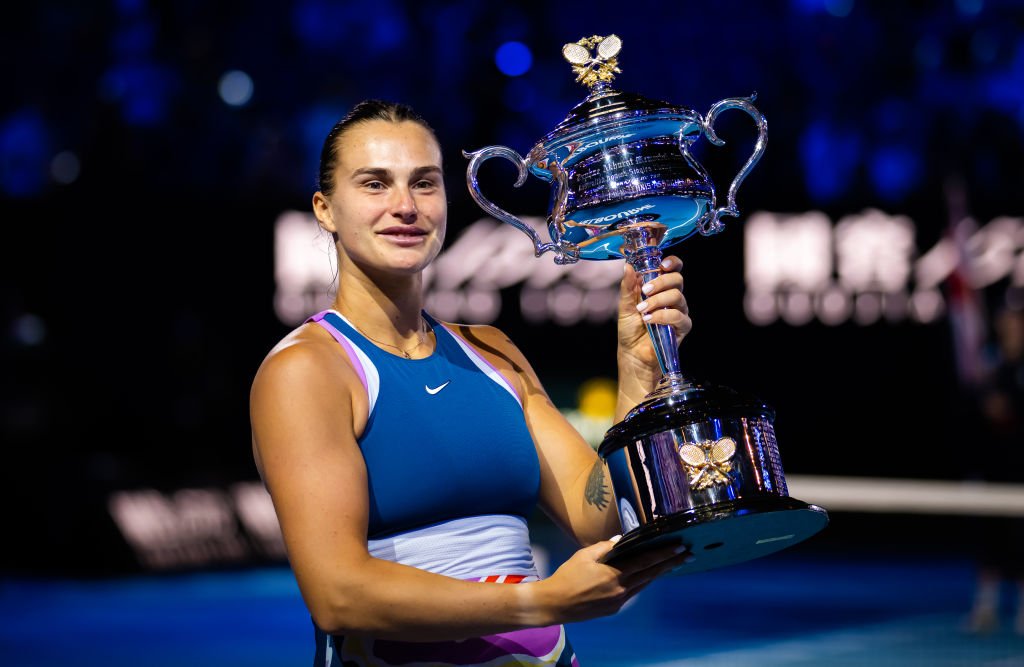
535,646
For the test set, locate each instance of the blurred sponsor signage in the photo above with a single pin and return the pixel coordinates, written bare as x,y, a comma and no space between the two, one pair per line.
464,284
198,527
864,268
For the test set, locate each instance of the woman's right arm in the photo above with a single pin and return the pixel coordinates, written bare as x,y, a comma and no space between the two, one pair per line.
301,409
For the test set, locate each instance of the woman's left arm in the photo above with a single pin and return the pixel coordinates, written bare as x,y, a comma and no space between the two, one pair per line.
575,491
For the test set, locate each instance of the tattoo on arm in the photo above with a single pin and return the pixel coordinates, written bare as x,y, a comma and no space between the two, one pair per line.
596,492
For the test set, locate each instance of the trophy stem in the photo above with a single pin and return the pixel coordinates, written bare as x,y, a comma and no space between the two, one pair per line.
643,252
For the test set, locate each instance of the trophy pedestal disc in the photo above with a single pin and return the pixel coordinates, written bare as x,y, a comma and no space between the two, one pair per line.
728,533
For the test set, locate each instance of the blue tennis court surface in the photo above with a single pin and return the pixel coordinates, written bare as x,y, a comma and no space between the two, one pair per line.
799,609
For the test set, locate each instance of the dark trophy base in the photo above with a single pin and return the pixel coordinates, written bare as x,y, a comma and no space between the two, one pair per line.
697,464
728,533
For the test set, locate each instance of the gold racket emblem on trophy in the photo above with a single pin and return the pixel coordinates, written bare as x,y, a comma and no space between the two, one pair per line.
708,463
591,69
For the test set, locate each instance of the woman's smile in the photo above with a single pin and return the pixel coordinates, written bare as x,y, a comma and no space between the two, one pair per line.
405,236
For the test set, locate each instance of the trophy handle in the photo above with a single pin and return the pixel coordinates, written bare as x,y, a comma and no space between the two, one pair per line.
565,252
712,223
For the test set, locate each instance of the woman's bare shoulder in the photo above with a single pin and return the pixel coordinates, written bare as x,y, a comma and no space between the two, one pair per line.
308,354
485,338
495,345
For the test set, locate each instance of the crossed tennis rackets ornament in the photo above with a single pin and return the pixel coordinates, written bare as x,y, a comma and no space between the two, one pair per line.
708,463
591,69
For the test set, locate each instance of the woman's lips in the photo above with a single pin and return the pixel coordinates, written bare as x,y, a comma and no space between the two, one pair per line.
404,236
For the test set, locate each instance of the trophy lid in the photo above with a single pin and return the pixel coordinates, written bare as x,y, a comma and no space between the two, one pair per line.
606,110
611,105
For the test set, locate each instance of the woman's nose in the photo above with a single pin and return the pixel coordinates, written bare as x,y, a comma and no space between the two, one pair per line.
403,204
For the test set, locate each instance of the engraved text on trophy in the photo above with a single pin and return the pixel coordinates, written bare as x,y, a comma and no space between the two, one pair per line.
628,171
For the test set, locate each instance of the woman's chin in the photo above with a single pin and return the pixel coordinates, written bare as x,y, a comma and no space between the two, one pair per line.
414,259
403,264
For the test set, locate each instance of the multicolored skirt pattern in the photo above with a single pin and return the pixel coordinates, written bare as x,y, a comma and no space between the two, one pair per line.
532,647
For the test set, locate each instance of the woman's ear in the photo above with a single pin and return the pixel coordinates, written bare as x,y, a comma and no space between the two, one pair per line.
322,211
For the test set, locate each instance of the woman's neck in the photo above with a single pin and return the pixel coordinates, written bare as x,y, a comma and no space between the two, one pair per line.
389,311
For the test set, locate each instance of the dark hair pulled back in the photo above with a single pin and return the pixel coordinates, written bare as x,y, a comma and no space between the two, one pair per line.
362,112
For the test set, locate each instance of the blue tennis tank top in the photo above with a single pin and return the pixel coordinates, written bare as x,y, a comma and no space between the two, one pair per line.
446,436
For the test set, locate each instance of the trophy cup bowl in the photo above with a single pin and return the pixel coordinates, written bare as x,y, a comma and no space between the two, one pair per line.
694,463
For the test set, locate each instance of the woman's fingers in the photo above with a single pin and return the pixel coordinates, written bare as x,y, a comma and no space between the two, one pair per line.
671,263
599,550
667,280
670,299
663,301
667,308
651,558
587,588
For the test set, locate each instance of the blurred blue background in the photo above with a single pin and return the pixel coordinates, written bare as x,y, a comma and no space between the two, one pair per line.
147,150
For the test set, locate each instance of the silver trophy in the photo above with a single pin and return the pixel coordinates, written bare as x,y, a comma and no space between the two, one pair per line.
694,463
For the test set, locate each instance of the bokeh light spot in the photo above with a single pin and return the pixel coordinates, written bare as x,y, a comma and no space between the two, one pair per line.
29,330
65,167
830,156
839,8
235,88
321,24
130,7
141,89
597,397
895,170
24,141
513,58
970,7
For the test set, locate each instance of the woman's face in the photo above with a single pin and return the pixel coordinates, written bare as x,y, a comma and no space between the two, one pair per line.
388,209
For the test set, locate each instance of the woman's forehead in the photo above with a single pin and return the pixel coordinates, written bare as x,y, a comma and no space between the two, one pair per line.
380,143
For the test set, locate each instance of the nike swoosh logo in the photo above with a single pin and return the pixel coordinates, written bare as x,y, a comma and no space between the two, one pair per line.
436,389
